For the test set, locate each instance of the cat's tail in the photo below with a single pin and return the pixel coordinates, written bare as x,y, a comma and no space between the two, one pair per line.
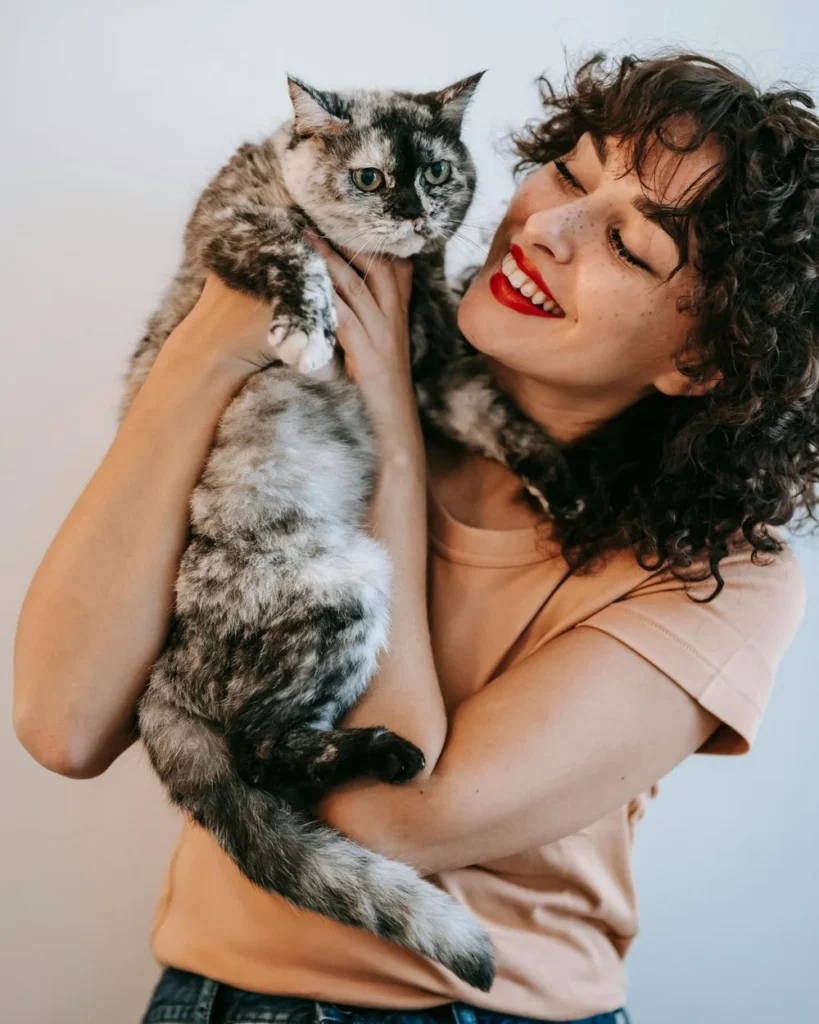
285,851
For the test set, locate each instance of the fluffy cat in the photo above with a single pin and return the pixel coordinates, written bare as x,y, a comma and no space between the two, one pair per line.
282,598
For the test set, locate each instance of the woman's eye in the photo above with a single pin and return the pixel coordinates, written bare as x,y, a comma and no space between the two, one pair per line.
439,172
623,252
368,179
615,238
564,172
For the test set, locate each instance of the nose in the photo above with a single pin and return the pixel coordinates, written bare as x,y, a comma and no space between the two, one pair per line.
417,224
559,230
407,204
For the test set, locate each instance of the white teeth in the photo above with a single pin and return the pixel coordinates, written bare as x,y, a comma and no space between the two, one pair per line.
525,285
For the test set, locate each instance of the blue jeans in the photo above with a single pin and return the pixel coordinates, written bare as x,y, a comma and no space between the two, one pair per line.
184,998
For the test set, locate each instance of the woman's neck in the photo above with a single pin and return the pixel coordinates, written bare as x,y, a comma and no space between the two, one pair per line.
487,495
565,416
476,491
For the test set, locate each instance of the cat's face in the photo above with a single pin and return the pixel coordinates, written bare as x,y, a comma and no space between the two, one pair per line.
381,172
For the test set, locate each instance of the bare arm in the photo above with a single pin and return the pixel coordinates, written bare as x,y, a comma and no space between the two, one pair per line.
549,747
96,613
372,300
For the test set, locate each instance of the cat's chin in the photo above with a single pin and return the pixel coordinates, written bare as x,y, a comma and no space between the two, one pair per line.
409,247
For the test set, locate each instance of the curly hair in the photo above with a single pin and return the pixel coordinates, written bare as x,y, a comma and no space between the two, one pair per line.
681,479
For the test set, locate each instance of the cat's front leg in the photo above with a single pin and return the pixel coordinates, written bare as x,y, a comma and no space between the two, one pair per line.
260,251
304,324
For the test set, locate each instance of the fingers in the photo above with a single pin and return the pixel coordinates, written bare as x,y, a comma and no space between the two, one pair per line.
349,332
379,275
365,280
402,271
347,281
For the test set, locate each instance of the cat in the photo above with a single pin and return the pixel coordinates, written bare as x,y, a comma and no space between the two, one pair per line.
282,598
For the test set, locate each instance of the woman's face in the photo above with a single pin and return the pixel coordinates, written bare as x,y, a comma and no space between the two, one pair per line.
616,331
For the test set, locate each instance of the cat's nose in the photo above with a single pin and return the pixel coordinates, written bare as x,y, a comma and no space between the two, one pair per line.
417,224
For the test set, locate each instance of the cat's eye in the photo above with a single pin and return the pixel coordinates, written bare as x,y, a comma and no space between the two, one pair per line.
439,172
368,179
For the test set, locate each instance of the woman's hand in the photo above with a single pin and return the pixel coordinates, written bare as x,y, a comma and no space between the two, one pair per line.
228,325
372,303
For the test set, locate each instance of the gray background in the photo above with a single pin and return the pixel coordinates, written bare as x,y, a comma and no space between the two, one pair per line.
112,117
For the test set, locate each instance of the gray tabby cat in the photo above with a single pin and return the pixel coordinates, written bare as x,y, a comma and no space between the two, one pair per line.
282,598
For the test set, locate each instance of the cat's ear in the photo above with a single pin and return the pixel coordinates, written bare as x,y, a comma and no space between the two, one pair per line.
450,103
316,112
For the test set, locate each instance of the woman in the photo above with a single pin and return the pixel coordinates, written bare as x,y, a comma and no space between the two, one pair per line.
554,663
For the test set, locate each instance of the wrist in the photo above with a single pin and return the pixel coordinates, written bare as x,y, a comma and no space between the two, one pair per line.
196,349
399,433
402,463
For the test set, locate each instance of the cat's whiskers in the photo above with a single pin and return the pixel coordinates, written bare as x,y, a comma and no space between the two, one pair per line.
356,253
378,252
468,241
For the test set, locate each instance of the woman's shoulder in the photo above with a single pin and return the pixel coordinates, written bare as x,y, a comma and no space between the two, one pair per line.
752,588
756,601
724,651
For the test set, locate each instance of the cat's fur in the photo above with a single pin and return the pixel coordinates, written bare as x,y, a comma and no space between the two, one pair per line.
282,597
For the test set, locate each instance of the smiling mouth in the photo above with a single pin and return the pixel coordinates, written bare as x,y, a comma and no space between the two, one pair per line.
514,288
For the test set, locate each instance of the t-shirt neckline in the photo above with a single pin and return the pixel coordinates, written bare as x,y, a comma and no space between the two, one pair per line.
471,545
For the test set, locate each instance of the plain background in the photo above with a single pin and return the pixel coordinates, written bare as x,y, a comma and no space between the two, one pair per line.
112,118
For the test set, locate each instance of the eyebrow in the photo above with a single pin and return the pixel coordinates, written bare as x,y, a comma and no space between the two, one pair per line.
642,204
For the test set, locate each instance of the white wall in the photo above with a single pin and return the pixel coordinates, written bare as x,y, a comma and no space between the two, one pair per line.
112,117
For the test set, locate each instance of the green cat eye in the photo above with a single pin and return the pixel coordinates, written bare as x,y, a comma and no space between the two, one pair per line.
368,179
439,172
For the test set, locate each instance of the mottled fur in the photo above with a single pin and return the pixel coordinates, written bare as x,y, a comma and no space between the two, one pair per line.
282,598
463,402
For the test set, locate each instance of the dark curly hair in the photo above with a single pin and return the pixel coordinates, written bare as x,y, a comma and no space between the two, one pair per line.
679,479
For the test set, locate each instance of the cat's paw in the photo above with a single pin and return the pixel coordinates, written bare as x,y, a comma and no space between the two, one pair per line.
391,758
305,348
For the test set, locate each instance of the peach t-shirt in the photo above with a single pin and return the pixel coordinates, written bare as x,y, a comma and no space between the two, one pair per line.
561,916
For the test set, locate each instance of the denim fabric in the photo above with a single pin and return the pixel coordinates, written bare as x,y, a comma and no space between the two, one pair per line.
184,998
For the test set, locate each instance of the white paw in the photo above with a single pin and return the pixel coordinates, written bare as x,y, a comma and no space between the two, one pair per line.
306,351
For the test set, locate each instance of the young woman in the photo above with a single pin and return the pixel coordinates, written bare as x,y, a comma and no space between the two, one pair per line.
552,664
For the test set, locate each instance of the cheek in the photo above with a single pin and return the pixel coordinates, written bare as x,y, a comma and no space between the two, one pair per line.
534,193
466,308
434,204
629,329
614,300
606,304
481,320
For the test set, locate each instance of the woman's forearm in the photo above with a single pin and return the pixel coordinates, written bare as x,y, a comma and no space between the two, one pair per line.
372,299
96,612
405,695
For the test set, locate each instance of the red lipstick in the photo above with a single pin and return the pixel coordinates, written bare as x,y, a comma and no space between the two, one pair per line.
513,299
530,270
510,297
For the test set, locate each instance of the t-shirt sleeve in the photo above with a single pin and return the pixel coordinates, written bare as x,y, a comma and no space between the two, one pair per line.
724,653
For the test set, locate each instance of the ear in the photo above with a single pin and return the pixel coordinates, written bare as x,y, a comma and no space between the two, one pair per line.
313,110
675,383
450,103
